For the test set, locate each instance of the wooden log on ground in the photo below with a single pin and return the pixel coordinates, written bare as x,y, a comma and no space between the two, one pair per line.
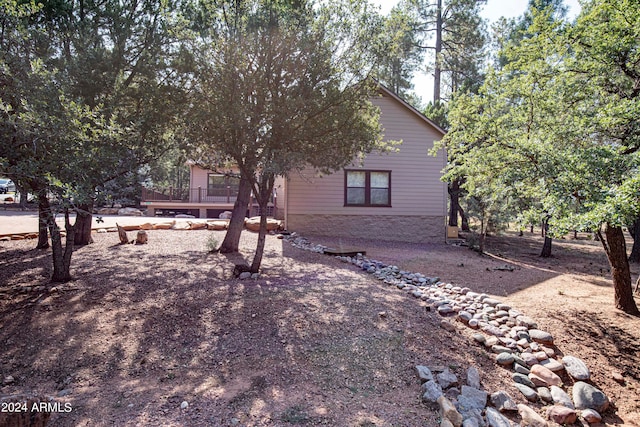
197,225
217,225
131,227
163,226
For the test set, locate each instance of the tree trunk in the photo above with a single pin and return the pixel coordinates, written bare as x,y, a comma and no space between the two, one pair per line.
43,210
231,240
464,217
615,247
82,226
263,194
23,198
483,234
68,246
61,258
262,235
438,68
454,202
634,230
546,247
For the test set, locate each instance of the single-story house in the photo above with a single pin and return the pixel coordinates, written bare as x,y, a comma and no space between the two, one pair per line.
393,196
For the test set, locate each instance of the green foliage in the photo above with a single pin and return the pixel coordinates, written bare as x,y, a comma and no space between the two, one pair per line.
271,116
400,52
212,244
555,130
437,112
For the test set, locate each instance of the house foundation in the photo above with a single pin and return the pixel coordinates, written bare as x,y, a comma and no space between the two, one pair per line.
412,229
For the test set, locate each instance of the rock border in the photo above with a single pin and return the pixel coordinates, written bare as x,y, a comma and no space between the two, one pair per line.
511,338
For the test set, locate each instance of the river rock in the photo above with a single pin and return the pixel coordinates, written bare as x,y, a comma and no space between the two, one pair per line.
493,330
576,368
523,379
447,379
446,423
473,378
473,422
526,321
464,316
541,337
587,396
528,392
560,397
552,364
545,374
424,373
562,415
496,419
504,359
471,398
520,369
530,418
503,402
490,341
591,416
545,394
479,338
501,349
529,359
431,391
448,411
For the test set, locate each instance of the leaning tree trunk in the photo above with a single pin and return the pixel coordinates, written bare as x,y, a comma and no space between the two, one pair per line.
634,230
82,226
546,247
231,240
44,209
616,250
262,235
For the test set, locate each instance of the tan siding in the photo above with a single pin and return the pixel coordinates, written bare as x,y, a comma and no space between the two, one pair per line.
416,188
199,177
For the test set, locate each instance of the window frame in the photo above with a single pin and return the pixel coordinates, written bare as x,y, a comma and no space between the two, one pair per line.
227,182
367,188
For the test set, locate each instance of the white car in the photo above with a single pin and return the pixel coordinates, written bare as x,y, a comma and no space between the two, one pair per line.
6,185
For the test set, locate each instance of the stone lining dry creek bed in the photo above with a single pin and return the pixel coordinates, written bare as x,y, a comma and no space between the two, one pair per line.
508,333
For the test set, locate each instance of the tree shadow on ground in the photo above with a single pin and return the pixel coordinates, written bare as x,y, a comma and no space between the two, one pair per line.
139,332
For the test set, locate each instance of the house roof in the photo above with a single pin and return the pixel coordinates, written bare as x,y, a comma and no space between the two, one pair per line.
388,92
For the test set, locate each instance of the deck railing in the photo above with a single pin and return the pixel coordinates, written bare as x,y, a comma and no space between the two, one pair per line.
190,195
204,195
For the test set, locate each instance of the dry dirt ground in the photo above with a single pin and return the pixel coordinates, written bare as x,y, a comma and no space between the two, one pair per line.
143,329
